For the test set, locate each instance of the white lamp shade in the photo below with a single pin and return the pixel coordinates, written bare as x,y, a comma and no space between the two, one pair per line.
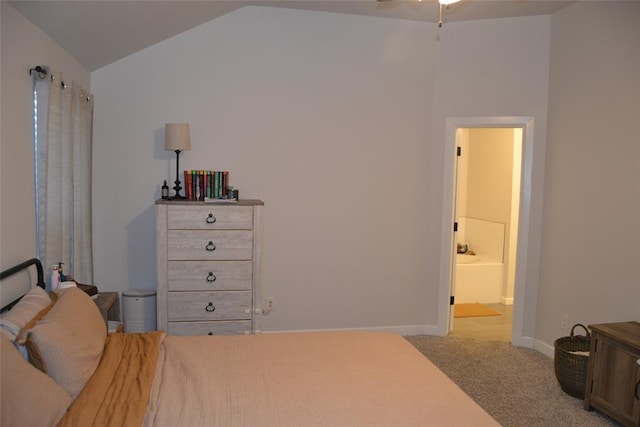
447,2
177,137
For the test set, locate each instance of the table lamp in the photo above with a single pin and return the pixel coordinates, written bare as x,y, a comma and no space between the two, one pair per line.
177,138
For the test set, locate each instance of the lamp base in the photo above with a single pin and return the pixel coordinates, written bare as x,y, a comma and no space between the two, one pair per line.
177,187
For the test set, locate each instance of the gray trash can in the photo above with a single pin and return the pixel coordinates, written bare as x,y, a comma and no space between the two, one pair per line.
139,308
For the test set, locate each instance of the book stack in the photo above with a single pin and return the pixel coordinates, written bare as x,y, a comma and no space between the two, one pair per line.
205,185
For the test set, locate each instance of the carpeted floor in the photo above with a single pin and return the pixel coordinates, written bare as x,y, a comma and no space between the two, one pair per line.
517,386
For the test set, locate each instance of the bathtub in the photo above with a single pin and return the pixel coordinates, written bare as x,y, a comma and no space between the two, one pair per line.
478,279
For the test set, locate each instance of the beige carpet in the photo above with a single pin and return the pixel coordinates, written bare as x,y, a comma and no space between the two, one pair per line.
516,386
473,310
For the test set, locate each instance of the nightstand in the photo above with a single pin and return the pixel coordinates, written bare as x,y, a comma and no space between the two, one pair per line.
109,306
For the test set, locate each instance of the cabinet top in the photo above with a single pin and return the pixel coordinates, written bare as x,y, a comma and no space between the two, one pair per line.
241,202
626,332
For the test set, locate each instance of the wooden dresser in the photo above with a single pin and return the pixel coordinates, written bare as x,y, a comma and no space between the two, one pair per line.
209,267
613,377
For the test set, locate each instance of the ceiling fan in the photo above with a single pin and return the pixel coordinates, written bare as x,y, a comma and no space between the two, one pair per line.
441,3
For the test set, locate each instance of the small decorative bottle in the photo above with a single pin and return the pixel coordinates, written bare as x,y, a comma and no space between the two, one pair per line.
165,190
61,275
54,277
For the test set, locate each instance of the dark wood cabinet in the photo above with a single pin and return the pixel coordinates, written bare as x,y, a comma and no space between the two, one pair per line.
109,305
613,377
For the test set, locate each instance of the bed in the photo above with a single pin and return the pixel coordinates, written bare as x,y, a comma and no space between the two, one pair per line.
78,375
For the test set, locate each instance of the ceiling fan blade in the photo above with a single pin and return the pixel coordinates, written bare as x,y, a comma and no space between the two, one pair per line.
386,4
413,4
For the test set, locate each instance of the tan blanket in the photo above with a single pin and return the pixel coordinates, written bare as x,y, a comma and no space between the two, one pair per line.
304,379
118,392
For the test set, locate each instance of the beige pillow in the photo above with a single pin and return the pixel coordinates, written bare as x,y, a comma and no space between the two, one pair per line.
27,396
35,300
67,343
21,339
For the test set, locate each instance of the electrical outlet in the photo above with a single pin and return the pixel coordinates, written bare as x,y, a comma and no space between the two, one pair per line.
564,322
268,304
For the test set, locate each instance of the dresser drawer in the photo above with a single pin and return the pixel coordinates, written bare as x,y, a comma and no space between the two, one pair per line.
221,327
218,305
209,245
210,217
209,275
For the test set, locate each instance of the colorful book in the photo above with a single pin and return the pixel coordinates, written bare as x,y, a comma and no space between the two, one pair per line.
204,185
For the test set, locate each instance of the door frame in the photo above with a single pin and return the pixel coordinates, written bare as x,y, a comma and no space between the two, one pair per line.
447,259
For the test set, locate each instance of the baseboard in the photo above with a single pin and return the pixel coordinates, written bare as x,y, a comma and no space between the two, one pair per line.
506,301
544,348
400,330
534,344
527,342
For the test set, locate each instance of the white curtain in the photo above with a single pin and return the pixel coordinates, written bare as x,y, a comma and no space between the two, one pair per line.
63,132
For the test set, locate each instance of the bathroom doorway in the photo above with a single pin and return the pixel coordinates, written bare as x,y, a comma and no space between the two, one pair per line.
514,268
487,198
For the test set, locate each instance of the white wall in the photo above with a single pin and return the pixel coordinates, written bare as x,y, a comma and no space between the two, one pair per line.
381,91
23,47
332,129
324,117
496,68
590,267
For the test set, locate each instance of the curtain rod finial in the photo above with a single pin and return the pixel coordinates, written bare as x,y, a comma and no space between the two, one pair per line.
42,71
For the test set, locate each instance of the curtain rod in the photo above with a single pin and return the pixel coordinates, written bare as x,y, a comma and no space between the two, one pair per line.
42,71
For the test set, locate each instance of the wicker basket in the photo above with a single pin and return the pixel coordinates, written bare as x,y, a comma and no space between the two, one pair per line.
571,368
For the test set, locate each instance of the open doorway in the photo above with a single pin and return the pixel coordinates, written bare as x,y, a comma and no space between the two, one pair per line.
487,199
449,219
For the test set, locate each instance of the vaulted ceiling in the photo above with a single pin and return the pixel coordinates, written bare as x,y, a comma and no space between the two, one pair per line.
98,32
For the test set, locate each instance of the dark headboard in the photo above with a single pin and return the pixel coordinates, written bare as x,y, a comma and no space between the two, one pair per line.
17,268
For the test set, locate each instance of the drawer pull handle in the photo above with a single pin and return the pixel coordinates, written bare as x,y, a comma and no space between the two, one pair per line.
211,277
210,308
211,219
210,247
210,333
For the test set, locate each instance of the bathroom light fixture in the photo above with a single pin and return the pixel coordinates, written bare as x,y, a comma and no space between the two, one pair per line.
177,138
